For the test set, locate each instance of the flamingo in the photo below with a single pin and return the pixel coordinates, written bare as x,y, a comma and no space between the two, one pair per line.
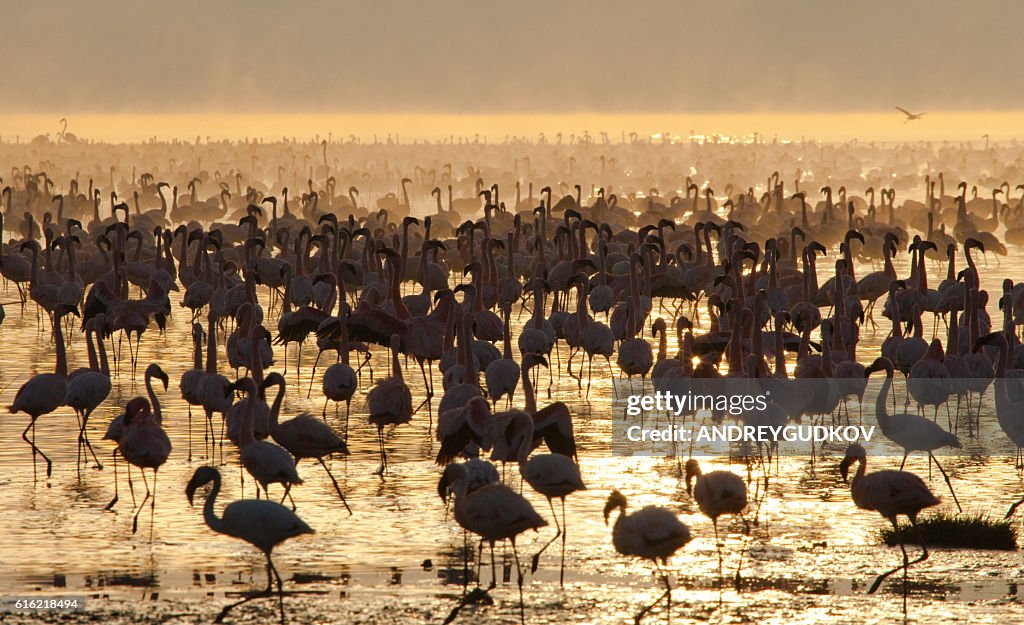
214,389
891,494
265,461
389,402
494,512
716,493
304,436
263,524
652,533
115,431
88,388
551,475
912,432
929,381
45,392
502,374
339,383
909,116
192,379
145,445
1009,405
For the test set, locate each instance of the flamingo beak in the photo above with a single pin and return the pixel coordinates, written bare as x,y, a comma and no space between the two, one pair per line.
844,467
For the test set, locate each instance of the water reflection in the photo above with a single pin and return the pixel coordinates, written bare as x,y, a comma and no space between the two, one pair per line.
811,553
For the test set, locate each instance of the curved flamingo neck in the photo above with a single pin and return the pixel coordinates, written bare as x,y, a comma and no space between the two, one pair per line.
881,411
212,520
275,408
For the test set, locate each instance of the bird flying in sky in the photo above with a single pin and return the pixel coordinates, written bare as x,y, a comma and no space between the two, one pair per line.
910,116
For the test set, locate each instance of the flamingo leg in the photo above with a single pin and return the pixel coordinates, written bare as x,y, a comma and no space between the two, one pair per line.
948,483
718,547
494,569
383,454
536,557
313,375
152,507
906,564
36,450
131,486
138,511
113,501
268,591
519,581
666,595
336,486
84,438
565,530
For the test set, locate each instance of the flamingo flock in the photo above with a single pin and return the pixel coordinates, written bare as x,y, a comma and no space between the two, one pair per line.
410,288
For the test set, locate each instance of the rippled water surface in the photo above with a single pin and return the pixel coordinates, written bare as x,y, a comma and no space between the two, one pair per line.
809,557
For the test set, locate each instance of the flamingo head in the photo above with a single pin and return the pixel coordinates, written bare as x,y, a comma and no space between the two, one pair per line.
615,500
854,453
154,371
202,477
692,471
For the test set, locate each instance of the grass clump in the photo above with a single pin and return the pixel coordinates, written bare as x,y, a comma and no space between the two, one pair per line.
956,532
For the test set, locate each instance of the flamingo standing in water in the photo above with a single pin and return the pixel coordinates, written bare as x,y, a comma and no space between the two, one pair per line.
304,436
192,379
494,512
890,493
912,432
145,445
716,493
259,522
45,392
653,533
265,461
553,475
115,431
88,388
390,401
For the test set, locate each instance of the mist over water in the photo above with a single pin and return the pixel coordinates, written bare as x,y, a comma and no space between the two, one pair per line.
888,126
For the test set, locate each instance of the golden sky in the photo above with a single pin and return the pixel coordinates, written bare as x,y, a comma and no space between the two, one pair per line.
527,56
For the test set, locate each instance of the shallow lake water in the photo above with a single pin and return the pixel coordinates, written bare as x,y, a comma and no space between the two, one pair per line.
809,557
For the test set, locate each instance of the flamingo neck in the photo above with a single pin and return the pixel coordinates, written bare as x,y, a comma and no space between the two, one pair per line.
881,411
93,363
275,409
245,436
157,414
62,355
531,397
212,520
211,347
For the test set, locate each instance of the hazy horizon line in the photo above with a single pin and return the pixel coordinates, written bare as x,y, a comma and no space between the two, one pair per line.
493,111
828,127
